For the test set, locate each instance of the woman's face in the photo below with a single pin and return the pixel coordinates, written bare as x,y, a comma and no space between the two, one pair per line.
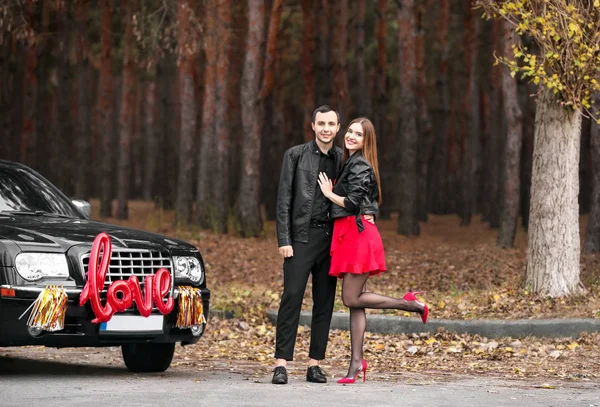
354,138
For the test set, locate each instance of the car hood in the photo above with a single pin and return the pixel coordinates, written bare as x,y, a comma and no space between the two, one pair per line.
53,232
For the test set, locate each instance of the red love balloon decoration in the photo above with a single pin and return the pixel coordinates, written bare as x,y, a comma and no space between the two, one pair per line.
156,287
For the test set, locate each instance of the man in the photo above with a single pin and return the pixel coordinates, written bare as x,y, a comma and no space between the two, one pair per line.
304,231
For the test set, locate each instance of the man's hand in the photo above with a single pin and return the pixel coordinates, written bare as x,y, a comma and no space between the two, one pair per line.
286,251
369,218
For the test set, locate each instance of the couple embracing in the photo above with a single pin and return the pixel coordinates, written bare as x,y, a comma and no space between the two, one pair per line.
326,229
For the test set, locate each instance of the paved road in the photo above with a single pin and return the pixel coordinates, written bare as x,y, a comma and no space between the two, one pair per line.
39,382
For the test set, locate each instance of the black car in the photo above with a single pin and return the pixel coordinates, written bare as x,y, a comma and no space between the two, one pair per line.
46,241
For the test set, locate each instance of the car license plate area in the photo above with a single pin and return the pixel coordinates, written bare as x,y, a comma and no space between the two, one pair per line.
132,324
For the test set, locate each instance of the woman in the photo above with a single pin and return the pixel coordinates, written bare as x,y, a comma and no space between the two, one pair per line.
357,249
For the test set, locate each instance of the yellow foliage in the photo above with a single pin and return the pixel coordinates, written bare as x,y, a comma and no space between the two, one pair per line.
568,38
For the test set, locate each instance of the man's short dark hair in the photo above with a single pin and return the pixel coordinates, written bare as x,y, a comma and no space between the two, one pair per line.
325,109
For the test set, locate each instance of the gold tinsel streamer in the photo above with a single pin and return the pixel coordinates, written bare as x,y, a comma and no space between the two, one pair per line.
49,309
191,310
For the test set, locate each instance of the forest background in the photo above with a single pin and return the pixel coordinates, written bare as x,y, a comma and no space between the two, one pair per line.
191,104
173,116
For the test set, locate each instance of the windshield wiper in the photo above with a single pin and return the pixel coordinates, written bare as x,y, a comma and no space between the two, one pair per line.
38,213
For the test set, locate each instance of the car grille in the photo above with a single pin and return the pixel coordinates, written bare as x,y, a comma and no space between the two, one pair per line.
126,263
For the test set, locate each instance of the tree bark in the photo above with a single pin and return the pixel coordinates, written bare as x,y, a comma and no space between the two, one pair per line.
496,134
207,159
28,132
512,151
104,124
341,92
271,50
386,139
440,109
592,233
272,137
423,120
46,162
83,125
553,248
63,168
468,131
528,108
248,201
221,196
308,67
150,134
126,116
323,81
188,112
363,101
407,219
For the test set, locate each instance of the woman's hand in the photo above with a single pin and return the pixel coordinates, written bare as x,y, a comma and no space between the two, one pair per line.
325,184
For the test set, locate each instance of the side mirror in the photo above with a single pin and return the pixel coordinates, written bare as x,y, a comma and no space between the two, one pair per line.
83,206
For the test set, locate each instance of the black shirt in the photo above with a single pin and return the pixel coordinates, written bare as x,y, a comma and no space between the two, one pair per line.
322,205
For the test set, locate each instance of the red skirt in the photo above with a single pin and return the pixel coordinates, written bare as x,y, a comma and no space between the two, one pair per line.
354,252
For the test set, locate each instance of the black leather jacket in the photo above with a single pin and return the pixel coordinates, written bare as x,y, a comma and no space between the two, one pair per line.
356,182
297,186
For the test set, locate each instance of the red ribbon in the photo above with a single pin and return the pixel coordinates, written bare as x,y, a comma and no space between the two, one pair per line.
156,288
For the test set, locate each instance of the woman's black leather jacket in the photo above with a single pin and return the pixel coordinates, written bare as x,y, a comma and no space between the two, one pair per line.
357,184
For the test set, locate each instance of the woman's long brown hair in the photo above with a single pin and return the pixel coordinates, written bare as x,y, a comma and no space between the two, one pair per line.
369,150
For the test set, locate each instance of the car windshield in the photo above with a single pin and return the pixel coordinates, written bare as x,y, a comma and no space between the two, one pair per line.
25,192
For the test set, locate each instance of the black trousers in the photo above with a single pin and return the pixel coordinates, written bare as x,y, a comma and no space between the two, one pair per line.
309,258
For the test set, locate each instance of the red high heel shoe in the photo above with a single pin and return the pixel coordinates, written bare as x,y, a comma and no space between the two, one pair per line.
410,296
350,380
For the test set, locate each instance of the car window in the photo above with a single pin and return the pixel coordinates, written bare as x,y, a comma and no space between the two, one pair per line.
21,190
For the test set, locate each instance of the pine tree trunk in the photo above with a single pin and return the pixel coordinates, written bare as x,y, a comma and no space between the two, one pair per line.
341,92
104,123
28,132
361,95
221,192
271,137
126,116
468,132
440,109
150,135
206,160
423,122
247,206
308,66
46,161
496,135
83,125
512,151
323,53
592,233
528,107
554,242
5,89
386,139
188,112
64,169
407,219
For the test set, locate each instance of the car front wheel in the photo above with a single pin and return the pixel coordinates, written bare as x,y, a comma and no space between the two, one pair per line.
148,357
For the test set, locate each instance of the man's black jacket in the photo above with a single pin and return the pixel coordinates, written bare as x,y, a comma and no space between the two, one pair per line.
297,187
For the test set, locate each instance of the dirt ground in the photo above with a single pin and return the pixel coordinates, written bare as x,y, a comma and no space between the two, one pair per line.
464,274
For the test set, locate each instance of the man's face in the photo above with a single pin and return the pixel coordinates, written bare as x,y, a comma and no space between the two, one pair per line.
326,127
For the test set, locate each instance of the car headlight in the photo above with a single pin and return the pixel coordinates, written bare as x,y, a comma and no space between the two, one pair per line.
35,266
188,267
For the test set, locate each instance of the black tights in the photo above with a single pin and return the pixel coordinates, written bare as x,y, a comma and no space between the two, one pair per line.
357,300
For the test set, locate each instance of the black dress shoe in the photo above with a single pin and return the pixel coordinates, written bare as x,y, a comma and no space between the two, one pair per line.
279,375
314,374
